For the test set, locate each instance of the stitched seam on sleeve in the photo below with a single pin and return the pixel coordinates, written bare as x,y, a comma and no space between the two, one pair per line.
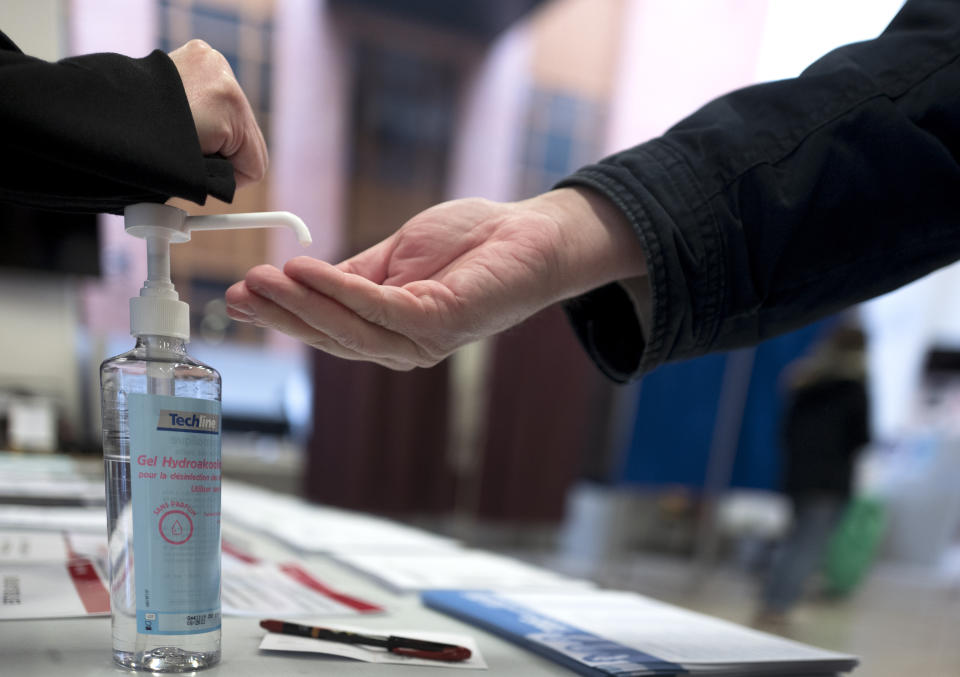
632,207
714,248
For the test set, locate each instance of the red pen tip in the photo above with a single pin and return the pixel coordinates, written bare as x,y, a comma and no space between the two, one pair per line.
454,653
461,653
271,625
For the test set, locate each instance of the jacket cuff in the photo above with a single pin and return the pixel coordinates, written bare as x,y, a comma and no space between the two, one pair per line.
678,235
606,323
220,182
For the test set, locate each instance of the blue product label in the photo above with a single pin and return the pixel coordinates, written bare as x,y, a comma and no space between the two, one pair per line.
175,472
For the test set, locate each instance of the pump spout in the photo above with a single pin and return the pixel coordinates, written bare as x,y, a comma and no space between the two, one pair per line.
145,220
257,220
158,309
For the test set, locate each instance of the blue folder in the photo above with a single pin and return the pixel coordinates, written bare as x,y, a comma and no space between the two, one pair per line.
587,653
582,652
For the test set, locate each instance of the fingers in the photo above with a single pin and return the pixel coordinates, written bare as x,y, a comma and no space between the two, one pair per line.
271,298
246,306
371,263
265,313
251,159
380,305
425,310
249,151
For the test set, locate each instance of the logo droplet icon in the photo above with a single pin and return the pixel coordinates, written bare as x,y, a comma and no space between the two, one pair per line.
176,527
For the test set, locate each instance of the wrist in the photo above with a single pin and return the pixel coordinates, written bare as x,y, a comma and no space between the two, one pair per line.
596,243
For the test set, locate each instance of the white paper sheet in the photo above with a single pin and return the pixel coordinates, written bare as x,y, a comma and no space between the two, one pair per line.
315,528
86,519
276,642
27,545
44,575
50,476
32,546
41,576
457,569
286,589
41,590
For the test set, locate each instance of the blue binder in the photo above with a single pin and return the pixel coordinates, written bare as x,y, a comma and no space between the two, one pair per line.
582,652
516,618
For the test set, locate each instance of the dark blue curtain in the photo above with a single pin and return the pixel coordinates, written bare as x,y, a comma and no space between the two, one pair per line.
677,412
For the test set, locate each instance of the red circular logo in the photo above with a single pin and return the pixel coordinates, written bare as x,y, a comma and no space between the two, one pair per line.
176,527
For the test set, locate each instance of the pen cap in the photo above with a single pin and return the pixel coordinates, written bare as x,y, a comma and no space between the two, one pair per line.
158,309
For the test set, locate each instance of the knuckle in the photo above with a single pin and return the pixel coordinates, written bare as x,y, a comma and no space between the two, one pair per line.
230,89
322,343
373,310
301,307
431,350
224,130
352,342
425,358
373,313
215,64
198,45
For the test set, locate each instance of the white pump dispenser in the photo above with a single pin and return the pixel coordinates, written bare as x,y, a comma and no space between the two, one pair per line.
162,422
158,310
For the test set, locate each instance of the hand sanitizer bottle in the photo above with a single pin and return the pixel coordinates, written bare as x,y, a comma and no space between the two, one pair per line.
161,446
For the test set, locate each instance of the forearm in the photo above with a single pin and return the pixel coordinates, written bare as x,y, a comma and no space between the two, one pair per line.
781,203
95,133
601,273
595,242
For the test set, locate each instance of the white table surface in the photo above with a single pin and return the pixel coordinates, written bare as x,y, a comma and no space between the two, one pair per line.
81,647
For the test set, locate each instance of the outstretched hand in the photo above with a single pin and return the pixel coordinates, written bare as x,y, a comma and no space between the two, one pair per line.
455,273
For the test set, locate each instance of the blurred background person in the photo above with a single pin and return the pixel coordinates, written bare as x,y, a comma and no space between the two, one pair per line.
825,424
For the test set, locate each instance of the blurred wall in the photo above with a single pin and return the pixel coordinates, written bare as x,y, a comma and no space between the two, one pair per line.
547,406
37,26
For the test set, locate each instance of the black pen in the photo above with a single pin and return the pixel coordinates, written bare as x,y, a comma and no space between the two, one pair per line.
402,646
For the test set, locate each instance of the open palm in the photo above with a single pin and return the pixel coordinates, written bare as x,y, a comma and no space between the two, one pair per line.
455,273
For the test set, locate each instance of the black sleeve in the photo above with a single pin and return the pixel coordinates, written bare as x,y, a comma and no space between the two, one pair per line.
781,203
95,133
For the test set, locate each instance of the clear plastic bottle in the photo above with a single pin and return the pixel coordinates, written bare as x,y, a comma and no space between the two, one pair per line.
163,505
161,449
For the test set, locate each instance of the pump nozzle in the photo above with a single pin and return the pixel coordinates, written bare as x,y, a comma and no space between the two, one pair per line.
158,310
146,219
256,220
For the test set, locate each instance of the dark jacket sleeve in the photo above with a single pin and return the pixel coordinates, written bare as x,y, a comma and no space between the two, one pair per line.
95,133
780,203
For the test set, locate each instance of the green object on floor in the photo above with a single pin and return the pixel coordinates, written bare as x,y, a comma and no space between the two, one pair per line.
853,546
